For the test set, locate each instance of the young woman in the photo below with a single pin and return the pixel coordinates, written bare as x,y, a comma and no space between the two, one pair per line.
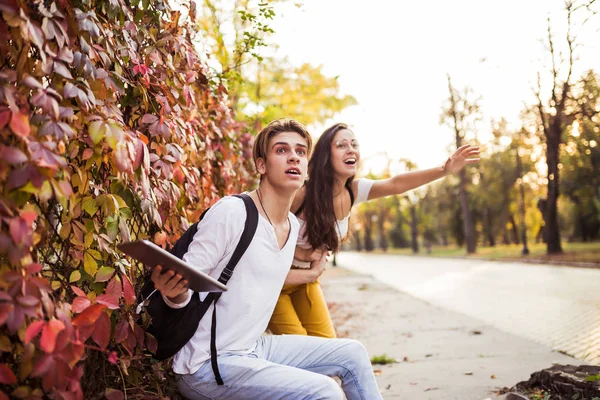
323,207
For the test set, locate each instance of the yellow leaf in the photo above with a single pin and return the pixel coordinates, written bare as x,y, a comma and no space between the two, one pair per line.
121,203
89,264
65,231
55,285
75,276
88,239
89,205
95,253
97,131
5,345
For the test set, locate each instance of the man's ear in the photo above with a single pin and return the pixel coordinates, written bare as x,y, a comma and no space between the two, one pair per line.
261,166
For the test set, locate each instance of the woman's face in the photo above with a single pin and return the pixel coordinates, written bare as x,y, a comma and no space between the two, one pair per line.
345,154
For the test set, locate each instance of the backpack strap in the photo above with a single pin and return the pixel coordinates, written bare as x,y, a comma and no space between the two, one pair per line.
245,240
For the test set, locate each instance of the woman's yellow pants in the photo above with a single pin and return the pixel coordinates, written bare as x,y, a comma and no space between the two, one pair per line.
302,310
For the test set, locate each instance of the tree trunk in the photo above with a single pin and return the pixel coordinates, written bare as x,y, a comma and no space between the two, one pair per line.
357,240
468,223
413,229
515,229
491,236
552,231
383,243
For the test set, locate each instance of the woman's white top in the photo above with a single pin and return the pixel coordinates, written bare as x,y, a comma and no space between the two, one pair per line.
364,187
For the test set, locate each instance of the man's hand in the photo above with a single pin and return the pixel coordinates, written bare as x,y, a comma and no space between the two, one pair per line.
463,156
171,285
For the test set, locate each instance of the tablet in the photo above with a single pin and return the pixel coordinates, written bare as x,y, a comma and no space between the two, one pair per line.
152,255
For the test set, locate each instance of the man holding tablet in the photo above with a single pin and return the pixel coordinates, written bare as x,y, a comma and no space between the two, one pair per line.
251,365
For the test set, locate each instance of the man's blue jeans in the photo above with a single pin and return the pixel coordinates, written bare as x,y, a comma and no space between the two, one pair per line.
288,367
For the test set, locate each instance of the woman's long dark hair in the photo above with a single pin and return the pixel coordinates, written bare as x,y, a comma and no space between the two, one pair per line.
319,212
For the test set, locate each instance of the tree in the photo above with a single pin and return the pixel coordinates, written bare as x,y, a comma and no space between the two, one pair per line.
581,159
554,118
462,114
263,87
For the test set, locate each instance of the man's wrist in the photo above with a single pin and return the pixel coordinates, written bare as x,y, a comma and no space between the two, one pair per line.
180,298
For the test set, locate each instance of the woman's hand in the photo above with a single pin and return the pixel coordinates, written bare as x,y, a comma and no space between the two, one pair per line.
317,254
317,267
309,255
462,156
169,284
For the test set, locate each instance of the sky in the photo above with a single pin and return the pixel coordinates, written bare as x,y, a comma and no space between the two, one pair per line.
393,57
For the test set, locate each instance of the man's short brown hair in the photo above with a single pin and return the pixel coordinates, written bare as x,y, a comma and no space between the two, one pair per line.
261,144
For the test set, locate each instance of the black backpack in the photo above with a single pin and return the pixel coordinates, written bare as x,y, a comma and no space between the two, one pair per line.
173,328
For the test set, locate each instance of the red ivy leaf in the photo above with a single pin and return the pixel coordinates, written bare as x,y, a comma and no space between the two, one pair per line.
18,230
34,268
12,155
28,301
42,365
109,301
3,396
33,330
80,304
7,377
89,316
4,118
49,334
114,287
5,310
78,291
121,331
128,291
19,123
113,394
101,333
151,343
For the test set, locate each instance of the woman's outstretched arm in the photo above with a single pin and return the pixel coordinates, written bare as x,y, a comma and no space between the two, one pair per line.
401,183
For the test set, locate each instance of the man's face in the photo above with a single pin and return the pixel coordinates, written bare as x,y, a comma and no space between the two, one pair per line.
287,161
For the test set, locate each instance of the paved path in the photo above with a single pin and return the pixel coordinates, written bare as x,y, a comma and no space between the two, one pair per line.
441,354
555,306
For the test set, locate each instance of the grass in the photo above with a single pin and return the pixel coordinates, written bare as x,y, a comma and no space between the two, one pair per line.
573,253
382,360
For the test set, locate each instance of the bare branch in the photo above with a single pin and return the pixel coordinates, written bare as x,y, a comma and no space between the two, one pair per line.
541,105
554,67
453,113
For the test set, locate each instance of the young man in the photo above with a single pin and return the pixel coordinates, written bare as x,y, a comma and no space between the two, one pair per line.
254,366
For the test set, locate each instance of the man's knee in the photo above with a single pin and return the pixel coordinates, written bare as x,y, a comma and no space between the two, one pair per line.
356,352
329,389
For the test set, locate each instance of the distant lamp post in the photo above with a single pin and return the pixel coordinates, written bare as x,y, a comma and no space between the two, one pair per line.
520,154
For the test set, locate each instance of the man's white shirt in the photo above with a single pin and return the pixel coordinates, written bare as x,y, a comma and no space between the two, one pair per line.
244,310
